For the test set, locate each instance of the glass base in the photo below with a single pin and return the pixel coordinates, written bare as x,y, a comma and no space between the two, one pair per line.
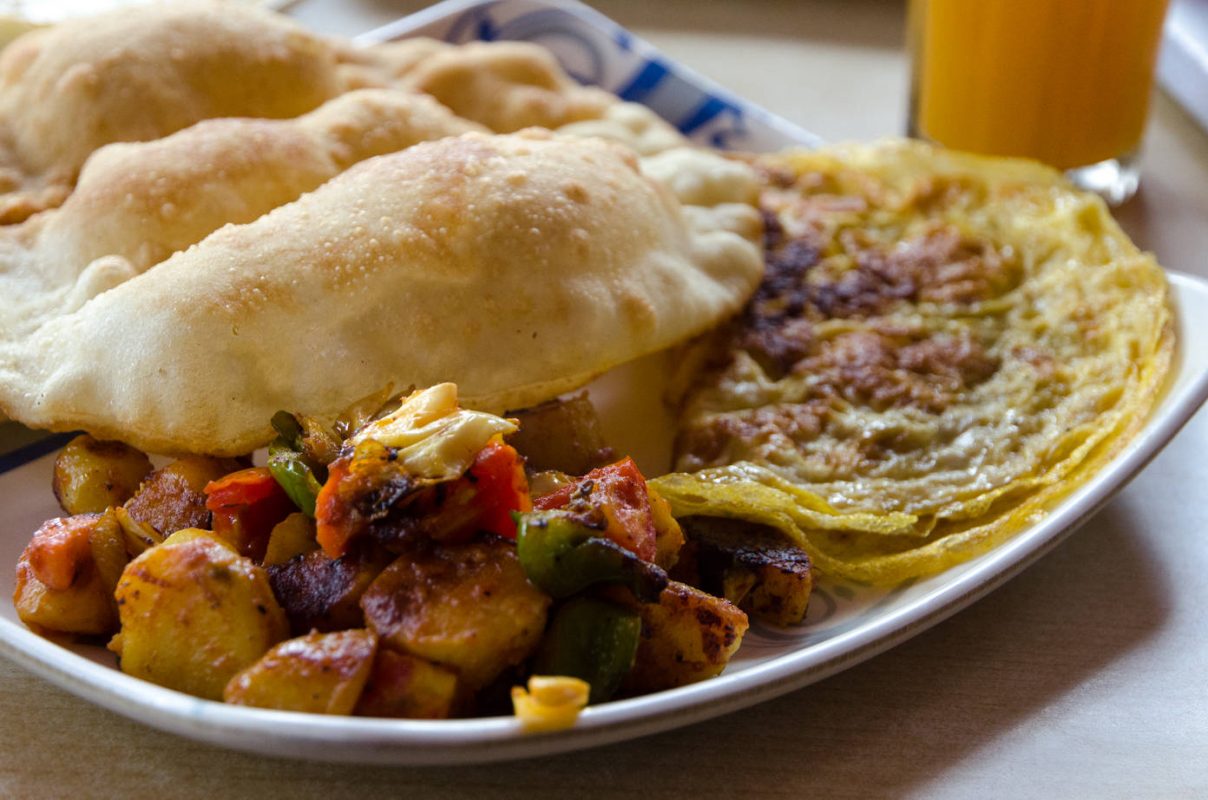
1115,180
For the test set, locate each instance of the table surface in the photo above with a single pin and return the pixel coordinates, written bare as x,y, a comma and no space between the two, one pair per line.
1082,677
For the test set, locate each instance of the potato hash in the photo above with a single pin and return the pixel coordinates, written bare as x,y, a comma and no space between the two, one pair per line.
404,563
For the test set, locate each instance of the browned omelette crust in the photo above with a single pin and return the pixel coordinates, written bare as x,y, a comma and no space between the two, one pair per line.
877,360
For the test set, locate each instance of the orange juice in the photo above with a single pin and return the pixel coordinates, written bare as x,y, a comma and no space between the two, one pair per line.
1062,81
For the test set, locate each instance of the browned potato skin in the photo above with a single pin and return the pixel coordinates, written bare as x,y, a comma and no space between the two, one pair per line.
467,606
562,435
687,636
90,475
406,686
322,593
173,498
752,566
193,613
780,594
79,599
320,673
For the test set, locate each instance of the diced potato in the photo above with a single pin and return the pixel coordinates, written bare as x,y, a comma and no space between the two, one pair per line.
67,573
109,554
320,673
90,476
780,593
173,498
292,536
468,606
322,593
561,435
193,613
753,566
687,636
81,609
407,686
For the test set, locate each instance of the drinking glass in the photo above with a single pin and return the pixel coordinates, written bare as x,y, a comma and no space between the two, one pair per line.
1066,82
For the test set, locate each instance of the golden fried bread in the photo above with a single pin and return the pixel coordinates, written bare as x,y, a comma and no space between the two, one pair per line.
138,203
139,75
506,86
144,201
518,266
134,76
191,124
942,341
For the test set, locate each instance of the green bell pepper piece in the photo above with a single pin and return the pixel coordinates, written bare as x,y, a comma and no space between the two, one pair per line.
562,557
592,640
290,470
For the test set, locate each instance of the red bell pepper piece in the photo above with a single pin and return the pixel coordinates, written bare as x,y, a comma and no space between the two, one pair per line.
60,549
483,499
619,491
246,505
336,522
502,487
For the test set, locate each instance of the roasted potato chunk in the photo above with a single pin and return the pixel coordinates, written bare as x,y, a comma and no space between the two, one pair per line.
193,613
562,435
67,574
467,606
84,608
320,673
324,593
90,475
293,536
753,566
687,636
407,686
173,498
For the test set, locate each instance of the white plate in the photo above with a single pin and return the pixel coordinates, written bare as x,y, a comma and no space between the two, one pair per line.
846,623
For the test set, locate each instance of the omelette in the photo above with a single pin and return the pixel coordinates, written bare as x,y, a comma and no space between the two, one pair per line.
943,345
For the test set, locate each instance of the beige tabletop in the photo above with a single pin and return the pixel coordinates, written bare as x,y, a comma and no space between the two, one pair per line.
1083,677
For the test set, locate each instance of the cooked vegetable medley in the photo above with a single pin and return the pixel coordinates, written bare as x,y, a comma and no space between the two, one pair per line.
400,564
